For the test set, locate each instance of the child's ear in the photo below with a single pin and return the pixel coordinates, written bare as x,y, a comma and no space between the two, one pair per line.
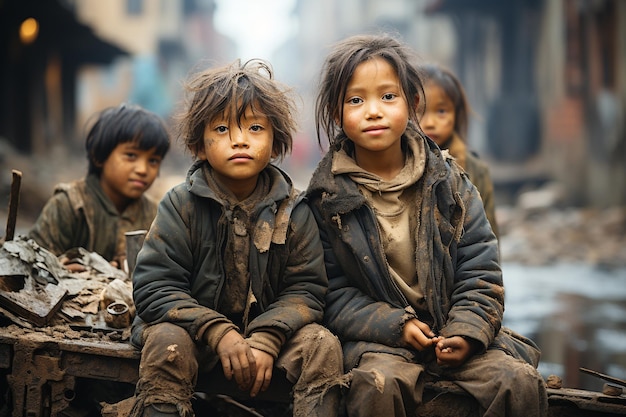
416,101
201,153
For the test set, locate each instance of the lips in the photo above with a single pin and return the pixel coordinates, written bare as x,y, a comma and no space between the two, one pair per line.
375,128
239,156
138,183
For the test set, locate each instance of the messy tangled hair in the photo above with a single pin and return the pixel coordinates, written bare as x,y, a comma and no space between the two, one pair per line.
338,68
452,87
121,124
228,91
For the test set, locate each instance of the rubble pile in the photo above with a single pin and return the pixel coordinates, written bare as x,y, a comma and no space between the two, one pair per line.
38,293
548,235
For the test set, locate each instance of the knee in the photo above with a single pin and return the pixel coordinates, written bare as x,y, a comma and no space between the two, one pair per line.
520,376
167,341
320,341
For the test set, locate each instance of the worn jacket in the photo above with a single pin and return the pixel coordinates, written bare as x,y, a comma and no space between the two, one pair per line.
80,214
456,261
180,274
478,172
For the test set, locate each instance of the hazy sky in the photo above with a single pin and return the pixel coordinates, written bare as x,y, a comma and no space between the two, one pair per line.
257,26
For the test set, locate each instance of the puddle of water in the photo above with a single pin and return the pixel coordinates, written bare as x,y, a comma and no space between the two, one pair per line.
577,315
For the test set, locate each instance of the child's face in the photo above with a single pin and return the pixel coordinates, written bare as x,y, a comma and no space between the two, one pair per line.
375,112
128,172
238,154
439,117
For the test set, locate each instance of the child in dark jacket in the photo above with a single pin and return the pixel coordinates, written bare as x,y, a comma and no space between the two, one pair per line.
125,147
414,281
230,281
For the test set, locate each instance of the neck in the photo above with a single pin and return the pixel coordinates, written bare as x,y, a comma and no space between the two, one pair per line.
386,164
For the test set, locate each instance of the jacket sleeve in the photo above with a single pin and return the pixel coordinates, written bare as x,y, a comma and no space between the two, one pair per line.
477,294
56,224
162,280
302,283
350,312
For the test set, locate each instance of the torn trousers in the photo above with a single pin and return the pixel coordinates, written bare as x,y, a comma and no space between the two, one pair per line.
388,385
171,364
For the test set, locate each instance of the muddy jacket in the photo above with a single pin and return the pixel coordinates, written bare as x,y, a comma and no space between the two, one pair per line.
79,214
478,172
180,272
456,261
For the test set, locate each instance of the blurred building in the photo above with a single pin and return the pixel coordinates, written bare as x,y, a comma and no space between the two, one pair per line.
64,60
546,80
43,46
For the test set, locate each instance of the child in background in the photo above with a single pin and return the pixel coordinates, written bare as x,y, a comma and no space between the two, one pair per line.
414,281
125,148
230,281
444,118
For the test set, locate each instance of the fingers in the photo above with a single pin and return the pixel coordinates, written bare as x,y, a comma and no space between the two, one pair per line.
418,334
265,365
425,328
452,351
261,382
237,359
75,267
243,368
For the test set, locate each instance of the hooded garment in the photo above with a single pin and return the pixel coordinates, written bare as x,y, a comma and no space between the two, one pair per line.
182,268
456,262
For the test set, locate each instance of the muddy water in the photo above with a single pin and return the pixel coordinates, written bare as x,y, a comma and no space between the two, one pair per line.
577,315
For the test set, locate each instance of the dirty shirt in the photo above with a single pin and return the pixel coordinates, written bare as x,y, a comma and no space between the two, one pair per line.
393,202
79,214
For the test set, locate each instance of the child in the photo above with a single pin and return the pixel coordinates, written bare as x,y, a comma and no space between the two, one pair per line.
414,281
125,148
232,269
444,119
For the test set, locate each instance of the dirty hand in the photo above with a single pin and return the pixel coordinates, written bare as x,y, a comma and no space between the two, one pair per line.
418,334
264,365
72,265
237,359
454,351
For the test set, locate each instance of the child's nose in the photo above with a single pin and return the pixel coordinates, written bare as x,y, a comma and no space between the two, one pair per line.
142,165
426,121
238,138
373,110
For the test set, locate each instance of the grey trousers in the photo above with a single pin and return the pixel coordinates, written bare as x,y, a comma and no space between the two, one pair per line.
388,385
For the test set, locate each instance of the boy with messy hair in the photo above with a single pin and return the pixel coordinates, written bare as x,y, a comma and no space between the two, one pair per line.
230,281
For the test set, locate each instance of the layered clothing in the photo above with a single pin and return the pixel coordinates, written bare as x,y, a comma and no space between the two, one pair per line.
181,273
211,264
80,214
455,255
478,172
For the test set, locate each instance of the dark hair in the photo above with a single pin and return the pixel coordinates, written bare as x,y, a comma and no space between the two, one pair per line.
452,87
121,124
229,91
339,67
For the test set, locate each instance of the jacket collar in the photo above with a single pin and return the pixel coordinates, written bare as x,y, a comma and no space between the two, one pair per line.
340,194
281,184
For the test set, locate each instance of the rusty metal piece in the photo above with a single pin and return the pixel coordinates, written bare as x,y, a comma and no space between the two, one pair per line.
605,377
613,390
117,315
29,300
134,242
14,200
